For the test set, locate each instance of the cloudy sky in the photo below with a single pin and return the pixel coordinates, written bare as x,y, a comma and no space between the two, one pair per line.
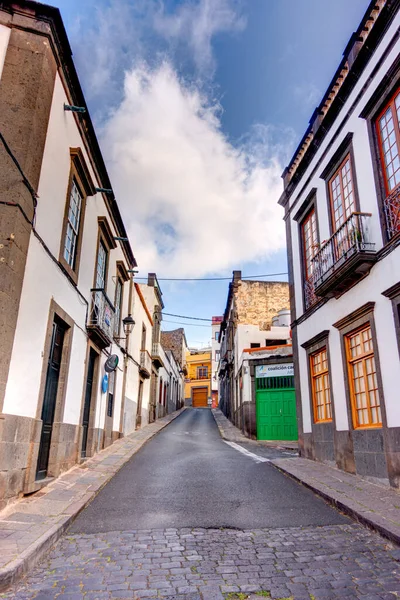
198,105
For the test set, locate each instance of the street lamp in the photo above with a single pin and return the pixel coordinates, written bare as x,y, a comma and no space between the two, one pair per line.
128,324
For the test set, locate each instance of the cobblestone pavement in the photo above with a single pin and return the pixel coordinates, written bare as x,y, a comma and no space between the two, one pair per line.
313,563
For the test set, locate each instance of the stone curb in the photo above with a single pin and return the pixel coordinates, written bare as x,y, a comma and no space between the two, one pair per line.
341,505
35,551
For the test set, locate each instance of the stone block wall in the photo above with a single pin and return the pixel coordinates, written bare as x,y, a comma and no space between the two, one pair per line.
173,341
257,302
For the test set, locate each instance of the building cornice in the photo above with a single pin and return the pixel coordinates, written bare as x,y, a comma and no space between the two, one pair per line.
358,52
45,20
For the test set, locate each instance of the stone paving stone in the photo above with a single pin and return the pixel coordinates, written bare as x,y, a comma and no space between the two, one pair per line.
47,513
340,562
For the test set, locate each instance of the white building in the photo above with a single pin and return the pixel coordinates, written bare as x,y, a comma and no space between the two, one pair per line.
342,211
64,279
215,356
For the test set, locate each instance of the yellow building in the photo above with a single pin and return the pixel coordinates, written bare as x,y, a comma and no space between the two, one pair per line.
198,382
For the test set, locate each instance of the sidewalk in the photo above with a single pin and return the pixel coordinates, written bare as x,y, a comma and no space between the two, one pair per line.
231,433
30,526
376,506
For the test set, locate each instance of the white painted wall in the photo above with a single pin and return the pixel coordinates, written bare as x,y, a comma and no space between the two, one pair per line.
384,274
251,334
4,39
44,280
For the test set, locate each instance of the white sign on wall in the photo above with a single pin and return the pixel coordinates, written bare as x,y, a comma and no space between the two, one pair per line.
280,370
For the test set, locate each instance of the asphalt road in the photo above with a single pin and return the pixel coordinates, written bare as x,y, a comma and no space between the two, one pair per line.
187,476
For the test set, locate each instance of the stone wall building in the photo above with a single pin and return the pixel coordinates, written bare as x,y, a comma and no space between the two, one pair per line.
247,323
342,212
175,342
65,261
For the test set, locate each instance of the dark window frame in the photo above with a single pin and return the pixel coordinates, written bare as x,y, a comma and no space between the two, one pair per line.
312,346
309,205
80,174
351,323
105,237
334,165
393,294
371,112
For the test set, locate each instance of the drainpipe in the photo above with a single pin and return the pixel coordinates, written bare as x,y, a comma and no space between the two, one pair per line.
126,360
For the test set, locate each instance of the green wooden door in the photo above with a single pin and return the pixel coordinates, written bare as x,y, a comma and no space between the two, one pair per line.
276,409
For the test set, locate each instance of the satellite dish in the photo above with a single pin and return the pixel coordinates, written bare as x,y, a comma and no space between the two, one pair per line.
111,363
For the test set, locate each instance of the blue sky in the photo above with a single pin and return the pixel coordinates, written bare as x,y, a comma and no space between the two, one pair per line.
198,104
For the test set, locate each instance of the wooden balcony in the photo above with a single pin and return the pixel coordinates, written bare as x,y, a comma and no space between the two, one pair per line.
145,364
101,316
345,258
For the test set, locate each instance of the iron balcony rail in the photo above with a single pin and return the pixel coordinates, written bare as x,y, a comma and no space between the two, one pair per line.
145,361
310,296
351,238
102,313
392,213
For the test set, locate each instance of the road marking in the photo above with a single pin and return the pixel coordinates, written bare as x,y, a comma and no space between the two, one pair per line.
255,457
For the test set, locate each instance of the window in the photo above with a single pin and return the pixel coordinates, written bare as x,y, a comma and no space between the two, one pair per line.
388,131
321,393
73,223
255,345
202,372
217,336
364,392
341,192
310,247
275,343
143,342
388,126
110,398
101,266
217,355
80,186
118,305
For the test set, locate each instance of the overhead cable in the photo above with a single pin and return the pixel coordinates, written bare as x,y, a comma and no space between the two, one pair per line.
187,324
183,317
211,278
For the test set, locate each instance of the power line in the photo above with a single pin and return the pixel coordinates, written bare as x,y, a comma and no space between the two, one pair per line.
183,317
187,324
211,278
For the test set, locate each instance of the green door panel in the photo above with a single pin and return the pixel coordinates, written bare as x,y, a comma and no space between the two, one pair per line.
276,414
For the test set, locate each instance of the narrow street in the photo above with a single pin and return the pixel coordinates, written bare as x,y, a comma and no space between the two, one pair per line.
191,517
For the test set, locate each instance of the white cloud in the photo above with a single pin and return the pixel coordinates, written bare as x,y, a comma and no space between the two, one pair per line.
196,24
308,95
192,202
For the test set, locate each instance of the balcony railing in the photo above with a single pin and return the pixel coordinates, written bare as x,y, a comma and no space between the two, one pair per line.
101,317
392,213
310,296
145,363
345,257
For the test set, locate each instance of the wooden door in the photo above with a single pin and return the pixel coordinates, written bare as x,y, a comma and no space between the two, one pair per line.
200,397
50,397
88,398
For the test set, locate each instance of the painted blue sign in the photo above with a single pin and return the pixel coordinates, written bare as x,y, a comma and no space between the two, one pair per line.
104,383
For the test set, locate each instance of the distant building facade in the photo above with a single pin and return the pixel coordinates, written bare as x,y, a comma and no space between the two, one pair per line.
249,323
198,381
215,356
342,211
